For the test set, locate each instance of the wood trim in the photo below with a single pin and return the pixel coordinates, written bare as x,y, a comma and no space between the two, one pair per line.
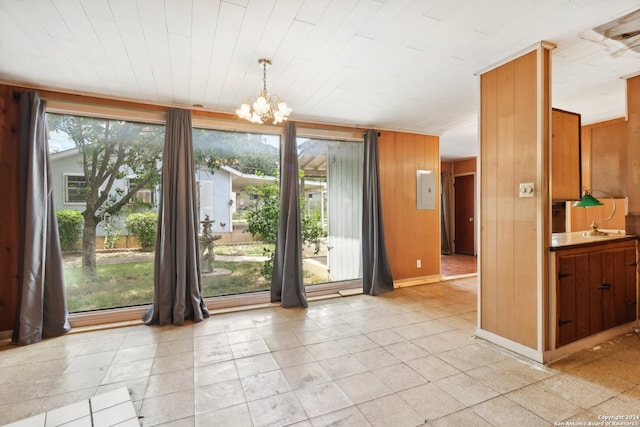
544,200
534,47
126,316
86,98
9,143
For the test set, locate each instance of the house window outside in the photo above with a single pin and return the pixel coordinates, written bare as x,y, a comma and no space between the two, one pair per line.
143,196
75,189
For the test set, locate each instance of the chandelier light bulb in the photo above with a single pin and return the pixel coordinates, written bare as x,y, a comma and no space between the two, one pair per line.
266,107
283,108
244,112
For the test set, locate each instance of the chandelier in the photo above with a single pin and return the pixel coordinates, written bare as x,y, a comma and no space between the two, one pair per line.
265,106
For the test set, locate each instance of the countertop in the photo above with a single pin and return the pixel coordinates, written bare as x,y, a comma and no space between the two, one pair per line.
571,240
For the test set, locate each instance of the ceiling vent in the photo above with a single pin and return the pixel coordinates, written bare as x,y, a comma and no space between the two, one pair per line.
624,30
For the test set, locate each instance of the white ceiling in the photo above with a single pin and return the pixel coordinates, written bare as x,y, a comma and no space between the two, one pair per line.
407,65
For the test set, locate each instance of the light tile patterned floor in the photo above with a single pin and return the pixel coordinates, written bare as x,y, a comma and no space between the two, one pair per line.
113,408
405,358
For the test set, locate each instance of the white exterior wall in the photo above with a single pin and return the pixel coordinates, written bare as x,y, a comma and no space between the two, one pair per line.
344,189
215,194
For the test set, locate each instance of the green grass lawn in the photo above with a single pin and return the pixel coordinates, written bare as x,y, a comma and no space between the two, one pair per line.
123,284
131,283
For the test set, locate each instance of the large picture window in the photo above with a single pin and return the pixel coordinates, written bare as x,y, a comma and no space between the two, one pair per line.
238,200
331,183
105,173
106,200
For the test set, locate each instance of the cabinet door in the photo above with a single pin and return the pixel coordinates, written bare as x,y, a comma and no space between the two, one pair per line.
582,296
595,291
596,319
565,154
566,296
612,287
573,298
610,270
631,298
619,288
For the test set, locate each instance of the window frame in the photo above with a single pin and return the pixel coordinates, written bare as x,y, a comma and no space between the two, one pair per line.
155,114
151,190
65,185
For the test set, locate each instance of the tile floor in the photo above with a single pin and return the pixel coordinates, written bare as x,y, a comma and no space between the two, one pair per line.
405,358
113,408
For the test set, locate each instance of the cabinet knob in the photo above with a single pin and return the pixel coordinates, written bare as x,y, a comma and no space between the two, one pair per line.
605,286
563,322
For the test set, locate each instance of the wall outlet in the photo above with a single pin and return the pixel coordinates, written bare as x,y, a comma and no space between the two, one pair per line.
419,263
526,189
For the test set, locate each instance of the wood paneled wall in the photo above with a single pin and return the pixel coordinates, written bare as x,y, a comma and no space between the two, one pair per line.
609,158
410,234
466,166
446,167
459,167
596,134
514,149
633,153
585,146
9,111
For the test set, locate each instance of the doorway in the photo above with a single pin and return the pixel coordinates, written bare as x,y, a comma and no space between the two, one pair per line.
463,261
464,219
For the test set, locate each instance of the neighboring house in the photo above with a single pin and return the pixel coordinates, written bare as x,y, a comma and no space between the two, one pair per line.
217,190
222,192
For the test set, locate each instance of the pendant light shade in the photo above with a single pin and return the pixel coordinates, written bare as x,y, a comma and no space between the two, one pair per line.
587,201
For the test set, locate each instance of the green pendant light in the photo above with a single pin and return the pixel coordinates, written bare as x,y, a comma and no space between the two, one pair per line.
587,201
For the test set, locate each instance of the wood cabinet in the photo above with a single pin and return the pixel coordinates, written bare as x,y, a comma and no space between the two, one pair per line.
566,178
595,289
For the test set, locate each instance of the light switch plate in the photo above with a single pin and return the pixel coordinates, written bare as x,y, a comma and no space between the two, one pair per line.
526,189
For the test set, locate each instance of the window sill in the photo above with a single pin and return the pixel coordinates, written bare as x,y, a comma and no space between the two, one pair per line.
128,316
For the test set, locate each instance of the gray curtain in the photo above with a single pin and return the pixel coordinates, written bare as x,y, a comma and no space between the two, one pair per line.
376,272
287,284
176,294
446,245
42,304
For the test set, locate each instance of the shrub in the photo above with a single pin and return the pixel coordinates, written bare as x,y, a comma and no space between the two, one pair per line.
111,233
143,226
69,228
263,220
